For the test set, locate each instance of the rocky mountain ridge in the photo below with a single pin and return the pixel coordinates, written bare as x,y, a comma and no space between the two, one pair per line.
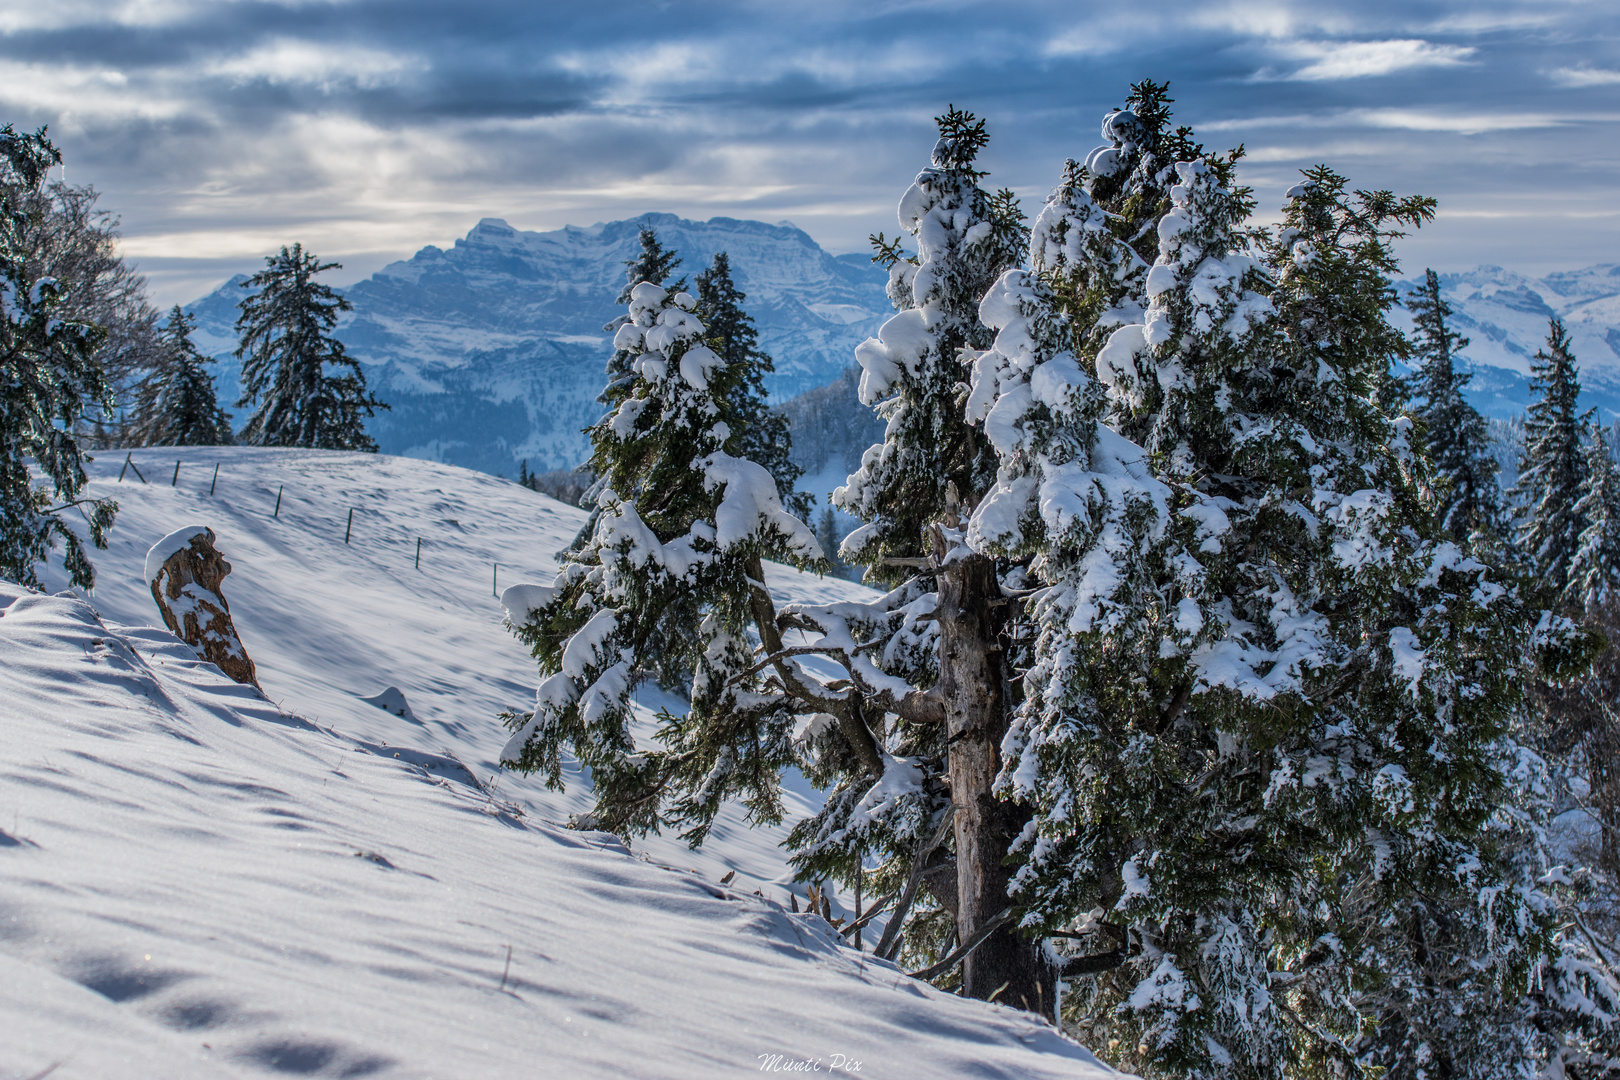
491,351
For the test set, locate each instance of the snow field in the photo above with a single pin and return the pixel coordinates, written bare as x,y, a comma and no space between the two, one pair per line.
198,883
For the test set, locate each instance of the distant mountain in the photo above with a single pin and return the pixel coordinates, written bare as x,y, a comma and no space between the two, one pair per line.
1505,315
492,351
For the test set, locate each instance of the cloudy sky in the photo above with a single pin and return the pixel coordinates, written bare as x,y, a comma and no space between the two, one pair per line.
366,129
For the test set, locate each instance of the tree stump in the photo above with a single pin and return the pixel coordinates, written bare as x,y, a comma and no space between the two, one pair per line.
186,572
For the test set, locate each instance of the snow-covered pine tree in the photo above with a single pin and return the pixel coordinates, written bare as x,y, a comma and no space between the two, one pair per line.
739,385
668,584
49,383
175,403
1594,569
1307,748
285,328
1552,473
914,489
1077,512
1454,434
1410,945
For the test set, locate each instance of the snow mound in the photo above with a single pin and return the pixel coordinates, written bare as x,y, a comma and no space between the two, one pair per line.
391,700
200,885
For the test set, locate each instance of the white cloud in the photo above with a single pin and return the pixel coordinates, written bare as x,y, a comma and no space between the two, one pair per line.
1584,76
1402,119
1458,123
1331,60
73,95
288,60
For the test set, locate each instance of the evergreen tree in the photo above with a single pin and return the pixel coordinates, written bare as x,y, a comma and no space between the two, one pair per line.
286,350
67,236
739,386
49,383
827,536
1455,435
1266,704
965,238
659,588
1552,473
1594,571
175,403
666,583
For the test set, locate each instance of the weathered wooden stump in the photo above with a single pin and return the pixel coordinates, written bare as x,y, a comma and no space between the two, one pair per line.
186,572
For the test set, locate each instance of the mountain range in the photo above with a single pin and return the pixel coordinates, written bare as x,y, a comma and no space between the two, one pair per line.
1504,315
491,351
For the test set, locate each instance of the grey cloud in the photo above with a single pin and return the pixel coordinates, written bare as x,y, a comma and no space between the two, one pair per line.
548,113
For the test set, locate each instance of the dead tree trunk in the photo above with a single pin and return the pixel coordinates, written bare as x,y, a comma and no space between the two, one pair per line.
187,585
972,621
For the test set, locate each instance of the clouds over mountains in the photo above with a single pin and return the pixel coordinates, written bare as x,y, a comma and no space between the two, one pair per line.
368,128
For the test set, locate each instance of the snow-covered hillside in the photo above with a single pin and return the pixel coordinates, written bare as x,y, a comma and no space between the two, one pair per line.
330,624
492,351
1504,315
200,882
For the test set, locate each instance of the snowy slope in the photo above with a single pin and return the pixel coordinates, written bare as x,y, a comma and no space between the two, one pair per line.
491,351
200,883
1504,315
329,624
197,885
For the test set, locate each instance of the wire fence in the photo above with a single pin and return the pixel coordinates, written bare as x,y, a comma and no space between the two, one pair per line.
377,530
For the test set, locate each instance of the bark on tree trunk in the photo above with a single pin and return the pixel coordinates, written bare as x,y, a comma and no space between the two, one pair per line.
972,621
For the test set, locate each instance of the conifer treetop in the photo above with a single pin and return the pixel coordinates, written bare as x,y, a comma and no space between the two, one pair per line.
286,346
654,263
1466,492
1552,473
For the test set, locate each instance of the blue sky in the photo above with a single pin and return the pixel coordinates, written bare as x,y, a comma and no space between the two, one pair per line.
366,129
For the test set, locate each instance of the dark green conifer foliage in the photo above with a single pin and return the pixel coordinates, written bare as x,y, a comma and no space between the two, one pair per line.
175,404
1552,473
1265,747
1467,497
760,434
654,263
1594,573
285,328
49,384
